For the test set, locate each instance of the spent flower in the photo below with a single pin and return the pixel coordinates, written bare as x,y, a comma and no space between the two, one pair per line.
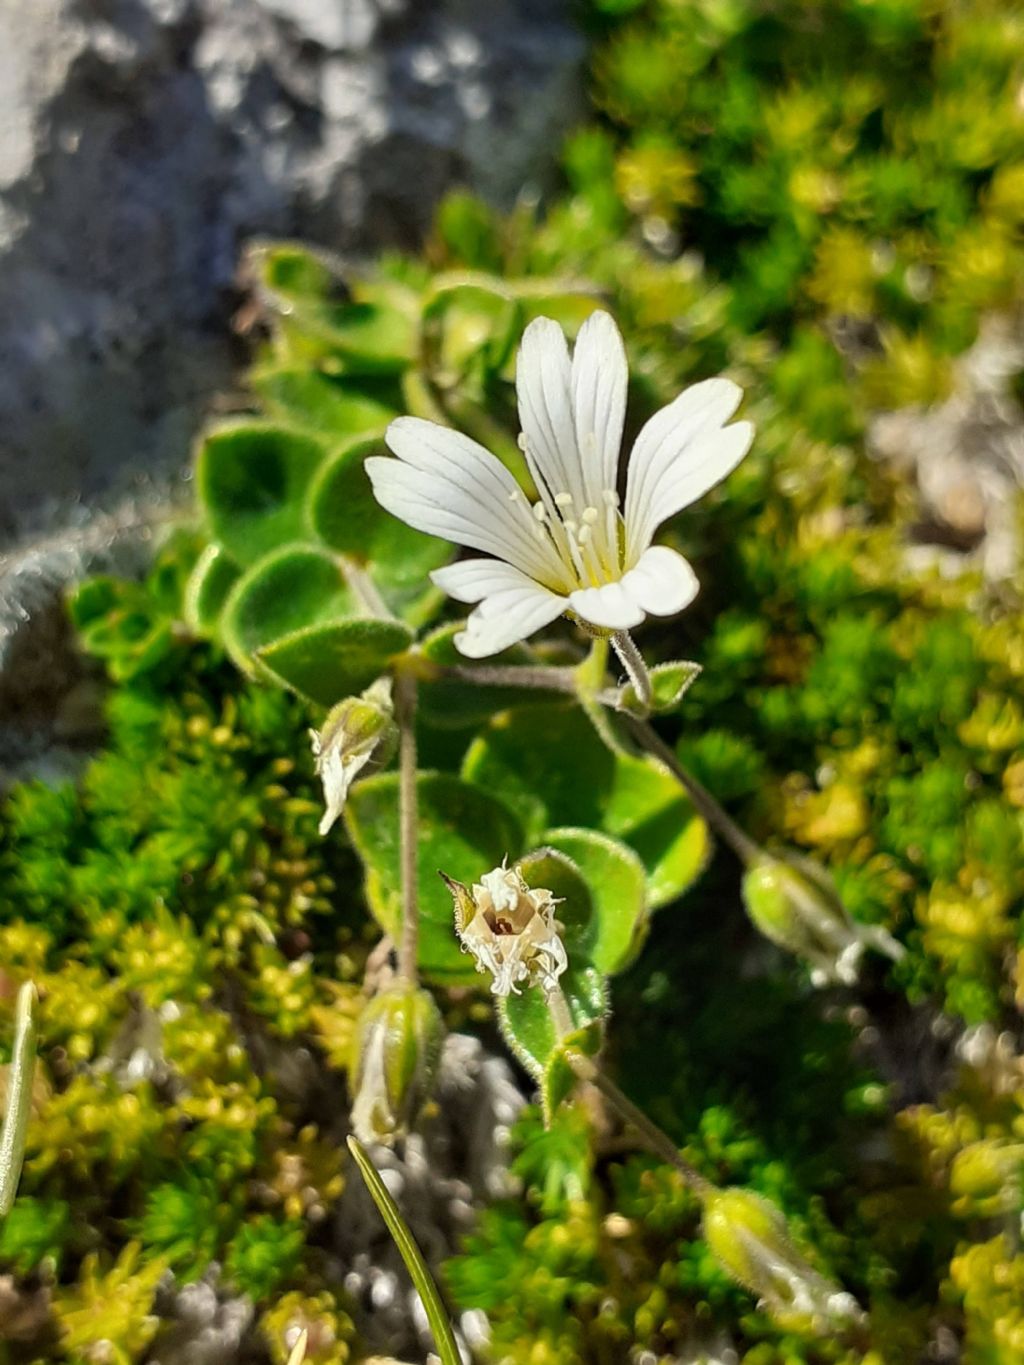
510,929
749,1236
794,902
395,1051
578,548
356,730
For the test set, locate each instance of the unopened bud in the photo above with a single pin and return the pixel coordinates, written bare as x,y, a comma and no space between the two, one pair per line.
395,1052
356,730
794,902
750,1239
511,930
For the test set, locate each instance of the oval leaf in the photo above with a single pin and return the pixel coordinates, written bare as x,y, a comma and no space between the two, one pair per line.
252,479
618,891
328,405
207,590
344,514
296,587
328,662
526,1022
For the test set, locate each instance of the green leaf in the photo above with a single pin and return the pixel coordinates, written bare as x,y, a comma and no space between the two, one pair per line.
618,888
291,270
328,662
669,684
463,832
471,325
295,587
526,1022
344,514
19,1097
550,765
430,1297
207,590
559,1079
252,479
327,405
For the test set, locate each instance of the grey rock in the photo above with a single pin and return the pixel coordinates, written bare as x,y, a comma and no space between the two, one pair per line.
202,1324
967,455
142,141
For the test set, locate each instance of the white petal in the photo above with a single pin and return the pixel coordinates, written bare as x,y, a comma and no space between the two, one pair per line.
506,617
471,580
438,505
543,388
662,582
600,377
609,606
444,454
681,453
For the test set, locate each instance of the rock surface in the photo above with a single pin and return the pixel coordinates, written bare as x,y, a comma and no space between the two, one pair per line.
141,141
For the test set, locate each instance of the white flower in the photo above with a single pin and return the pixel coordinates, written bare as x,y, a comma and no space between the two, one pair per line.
575,550
510,928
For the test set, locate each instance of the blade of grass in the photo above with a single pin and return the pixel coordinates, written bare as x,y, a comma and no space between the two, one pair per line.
19,1098
298,1354
444,1339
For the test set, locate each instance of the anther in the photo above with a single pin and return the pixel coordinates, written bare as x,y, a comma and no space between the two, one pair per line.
584,534
590,515
539,511
521,441
563,499
611,498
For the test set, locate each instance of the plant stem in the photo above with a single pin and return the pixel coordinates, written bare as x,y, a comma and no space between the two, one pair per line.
408,824
587,1070
545,679
659,1142
633,662
740,843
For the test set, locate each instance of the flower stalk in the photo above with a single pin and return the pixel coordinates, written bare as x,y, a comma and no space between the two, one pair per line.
636,670
408,824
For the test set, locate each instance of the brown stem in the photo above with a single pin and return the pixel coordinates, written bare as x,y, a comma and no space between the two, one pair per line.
740,843
408,833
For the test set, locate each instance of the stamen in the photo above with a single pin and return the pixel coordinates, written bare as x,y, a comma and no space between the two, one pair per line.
521,441
539,511
585,533
563,499
590,515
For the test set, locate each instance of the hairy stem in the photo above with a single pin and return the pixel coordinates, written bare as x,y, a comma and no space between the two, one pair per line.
633,662
408,822
545,679
740,843
588,1071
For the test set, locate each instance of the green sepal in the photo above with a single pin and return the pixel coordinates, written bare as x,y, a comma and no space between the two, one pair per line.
327,662
295,587
207,590
251,480
669,684
526,1022
463,830
559,1080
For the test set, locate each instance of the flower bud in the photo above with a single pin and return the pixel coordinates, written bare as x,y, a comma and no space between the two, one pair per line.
510,929
395,1052
749,1237
794,903
355,730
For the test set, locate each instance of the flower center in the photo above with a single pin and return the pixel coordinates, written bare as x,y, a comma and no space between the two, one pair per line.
588,540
